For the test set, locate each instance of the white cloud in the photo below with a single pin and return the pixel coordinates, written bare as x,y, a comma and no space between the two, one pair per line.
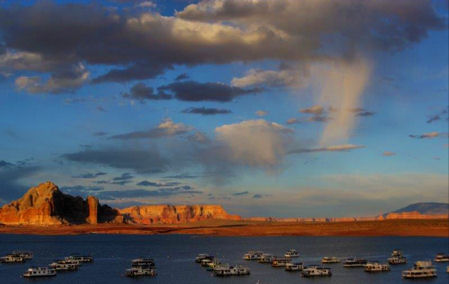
291,77
254,142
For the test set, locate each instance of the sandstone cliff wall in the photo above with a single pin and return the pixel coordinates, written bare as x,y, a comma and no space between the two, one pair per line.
174,214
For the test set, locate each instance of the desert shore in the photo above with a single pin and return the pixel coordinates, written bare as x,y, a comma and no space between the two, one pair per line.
430,228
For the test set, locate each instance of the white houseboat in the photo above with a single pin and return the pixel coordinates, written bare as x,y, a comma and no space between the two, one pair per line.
294,266
330,259
420,270
12,258
441,257
316,271
354,262
291,253
34,272
376,267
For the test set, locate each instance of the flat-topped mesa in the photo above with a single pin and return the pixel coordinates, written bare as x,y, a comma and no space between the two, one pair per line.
175,214
45,204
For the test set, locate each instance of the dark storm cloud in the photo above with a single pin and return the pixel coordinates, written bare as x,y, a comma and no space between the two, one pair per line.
137,44
90,175
196,91
157,184
206,111
138,160
10,176
142,92
240,193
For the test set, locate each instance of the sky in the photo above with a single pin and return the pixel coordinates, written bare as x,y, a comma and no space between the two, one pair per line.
285,108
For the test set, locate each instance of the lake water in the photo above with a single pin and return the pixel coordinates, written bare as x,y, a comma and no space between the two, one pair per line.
174,256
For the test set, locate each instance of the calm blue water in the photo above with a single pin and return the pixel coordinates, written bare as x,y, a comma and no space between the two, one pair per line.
174,257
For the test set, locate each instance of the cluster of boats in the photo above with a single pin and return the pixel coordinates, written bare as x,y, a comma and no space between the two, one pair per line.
221,269
16,257
69,263
141,267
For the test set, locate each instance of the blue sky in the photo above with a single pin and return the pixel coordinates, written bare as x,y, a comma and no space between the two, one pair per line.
307,116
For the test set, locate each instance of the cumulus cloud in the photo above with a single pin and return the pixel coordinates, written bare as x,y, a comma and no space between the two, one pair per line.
334,148
61,81
206,111
196,91
142,92
285,76
166,128
253,142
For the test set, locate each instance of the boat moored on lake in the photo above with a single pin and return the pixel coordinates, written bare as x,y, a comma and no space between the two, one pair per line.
294,266
142,262
280,261
291,253
330,259
26,255
35,272
376,267
62,265
266,258
202,256
140,271
420,270
397,258
252,255
81,258
228,270
12,258
354,262
316,271
441,257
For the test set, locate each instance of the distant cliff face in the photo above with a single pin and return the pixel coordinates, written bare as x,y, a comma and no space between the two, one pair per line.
174,214
45,204
426,208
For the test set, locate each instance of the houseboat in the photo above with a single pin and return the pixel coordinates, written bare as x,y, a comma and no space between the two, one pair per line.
420,270
280,262
252,255
35,272
316,271
397,258
354,262
81,258
63,266
142,262
12,258
140,271
292,253
294,266
26,255
441,257
228,270
330,259
376,267
266,258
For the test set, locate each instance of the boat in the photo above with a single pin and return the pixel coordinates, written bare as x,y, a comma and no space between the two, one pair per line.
291,253
70,261
252,255
12,258
441,257
81,258
142,262
206,262
294,266
33,272
280,262
211,265
330,259
315,270
376,267
354,262
228,270
420,270
138,271
27,255
266,258
62,265
202,256
397,258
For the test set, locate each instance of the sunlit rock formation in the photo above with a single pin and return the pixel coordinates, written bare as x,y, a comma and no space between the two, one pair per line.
45,204
173,214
